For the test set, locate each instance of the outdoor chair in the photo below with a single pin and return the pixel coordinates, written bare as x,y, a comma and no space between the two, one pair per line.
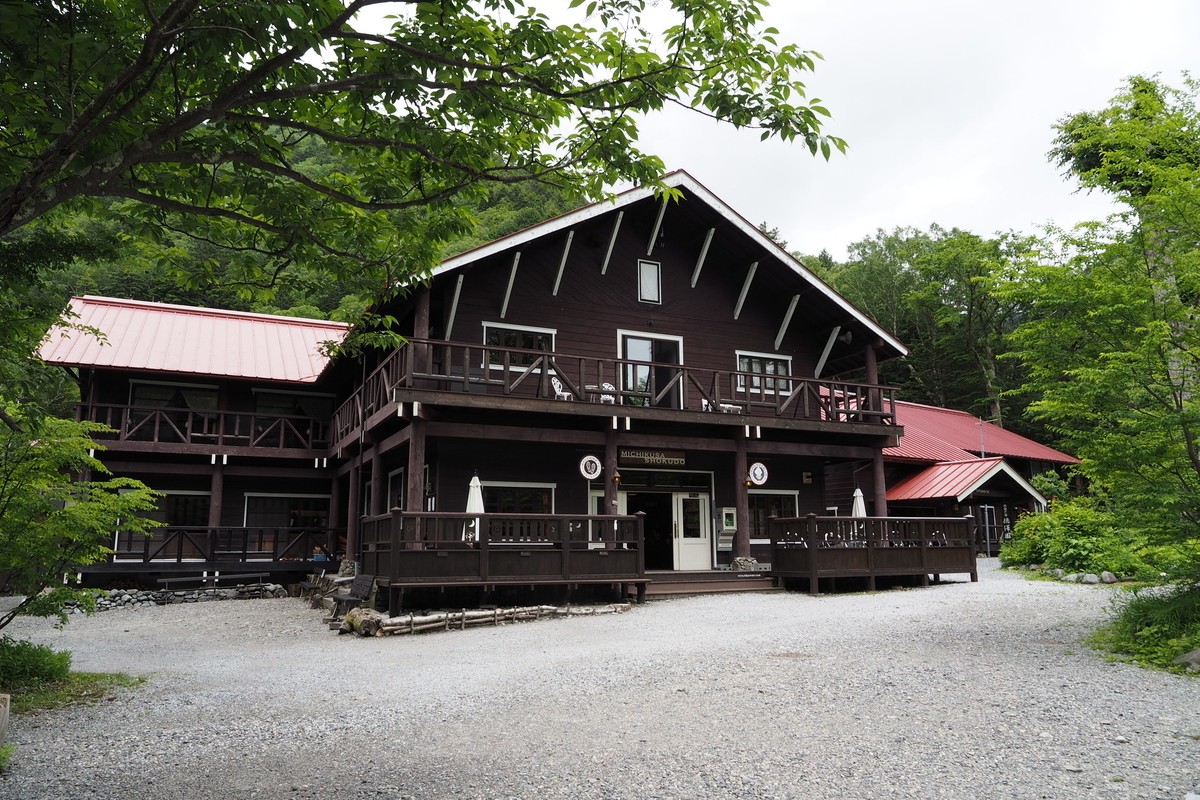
559,394
360,592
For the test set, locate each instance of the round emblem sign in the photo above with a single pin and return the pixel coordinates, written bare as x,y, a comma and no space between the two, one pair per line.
590,467
758,473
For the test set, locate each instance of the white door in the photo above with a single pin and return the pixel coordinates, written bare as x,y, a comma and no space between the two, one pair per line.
692,531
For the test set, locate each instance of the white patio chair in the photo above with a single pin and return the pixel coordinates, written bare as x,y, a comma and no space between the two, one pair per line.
559,394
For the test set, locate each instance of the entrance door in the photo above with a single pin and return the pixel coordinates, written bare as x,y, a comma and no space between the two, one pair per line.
656,526
693,539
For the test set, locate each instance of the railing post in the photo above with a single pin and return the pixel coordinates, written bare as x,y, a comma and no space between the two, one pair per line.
565,537
871,530
810,538
924,553
485,535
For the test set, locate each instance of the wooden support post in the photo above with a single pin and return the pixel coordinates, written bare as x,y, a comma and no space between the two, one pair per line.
741,471
216,495
421,331
874,396
353,511
335,514
378,483
881,506
416,467
610,470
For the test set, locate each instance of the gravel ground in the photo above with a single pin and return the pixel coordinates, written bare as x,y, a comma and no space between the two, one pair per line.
956,691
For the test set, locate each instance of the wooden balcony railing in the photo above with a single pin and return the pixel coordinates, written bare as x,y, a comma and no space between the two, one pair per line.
512,372
241,545
219,428
444,549
815,547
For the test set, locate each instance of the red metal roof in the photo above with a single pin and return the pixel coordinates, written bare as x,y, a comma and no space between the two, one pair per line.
917,445
955,479
195,341
960,430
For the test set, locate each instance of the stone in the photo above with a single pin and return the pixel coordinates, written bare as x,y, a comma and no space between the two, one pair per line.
1108,577
1191,660
745,564
1073,577
1057,573
1091,579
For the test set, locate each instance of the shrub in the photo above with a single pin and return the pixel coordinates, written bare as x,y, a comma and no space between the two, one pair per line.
6,753
24,664
1073,536
1154,625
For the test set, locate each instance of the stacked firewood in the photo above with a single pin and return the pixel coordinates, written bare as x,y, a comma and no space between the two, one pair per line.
369,622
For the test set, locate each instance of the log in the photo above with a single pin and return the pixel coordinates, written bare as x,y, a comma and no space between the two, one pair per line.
4,701
363,621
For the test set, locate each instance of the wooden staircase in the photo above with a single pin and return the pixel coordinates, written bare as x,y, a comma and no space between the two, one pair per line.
676,583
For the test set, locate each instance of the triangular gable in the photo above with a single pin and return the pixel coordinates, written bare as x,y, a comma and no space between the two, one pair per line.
957,480
679,180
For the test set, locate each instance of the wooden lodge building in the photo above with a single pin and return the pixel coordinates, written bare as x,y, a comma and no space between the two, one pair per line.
639,386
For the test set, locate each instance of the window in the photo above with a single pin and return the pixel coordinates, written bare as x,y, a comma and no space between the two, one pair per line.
152,394
763,506
397,490
649,282
517,337
764,364
537,498
642,383
287,511
293,404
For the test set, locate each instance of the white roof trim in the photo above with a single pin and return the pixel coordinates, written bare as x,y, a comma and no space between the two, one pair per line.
1002,466
679,180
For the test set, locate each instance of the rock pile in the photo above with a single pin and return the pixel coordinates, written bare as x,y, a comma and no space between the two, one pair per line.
1075,577
134,598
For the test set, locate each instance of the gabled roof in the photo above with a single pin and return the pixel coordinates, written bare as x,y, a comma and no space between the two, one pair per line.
957,480
194,341
919,445
694,190
960,430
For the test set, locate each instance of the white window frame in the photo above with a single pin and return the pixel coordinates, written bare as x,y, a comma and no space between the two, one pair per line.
622,333
553,487
525,329
403,495
657,280
247,495
795,493
741,381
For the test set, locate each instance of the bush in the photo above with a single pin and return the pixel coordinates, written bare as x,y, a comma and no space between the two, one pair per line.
6,753
1072,536
1154,625
24,664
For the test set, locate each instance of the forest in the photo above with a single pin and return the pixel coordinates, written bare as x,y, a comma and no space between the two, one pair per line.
305,201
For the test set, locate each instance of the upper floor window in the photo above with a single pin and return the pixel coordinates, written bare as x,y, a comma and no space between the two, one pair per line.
159,394
517,337
293,404
649,282
764,364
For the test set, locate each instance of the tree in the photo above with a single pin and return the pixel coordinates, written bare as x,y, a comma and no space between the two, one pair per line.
195,118
1111,345
51,525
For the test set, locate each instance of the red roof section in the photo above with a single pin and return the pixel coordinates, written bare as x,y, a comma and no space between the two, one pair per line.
923,425
195,341
949,479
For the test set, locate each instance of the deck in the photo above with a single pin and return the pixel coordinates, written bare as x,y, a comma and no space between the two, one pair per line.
455,373
428,549
816,548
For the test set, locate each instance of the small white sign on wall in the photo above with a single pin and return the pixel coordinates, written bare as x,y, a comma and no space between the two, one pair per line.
590,467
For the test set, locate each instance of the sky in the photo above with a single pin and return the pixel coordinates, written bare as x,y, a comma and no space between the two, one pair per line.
948,107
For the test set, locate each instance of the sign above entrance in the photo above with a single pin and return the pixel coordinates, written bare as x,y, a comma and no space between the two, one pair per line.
652,458
590,467
758,473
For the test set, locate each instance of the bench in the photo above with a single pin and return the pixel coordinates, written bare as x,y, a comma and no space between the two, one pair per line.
211,580
360,592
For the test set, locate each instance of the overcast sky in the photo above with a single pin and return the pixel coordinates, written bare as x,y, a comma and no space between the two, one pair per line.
948,107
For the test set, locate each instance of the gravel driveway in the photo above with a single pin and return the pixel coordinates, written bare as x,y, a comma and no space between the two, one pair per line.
956,691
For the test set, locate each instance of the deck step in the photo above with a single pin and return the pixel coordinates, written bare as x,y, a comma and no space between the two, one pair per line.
709,586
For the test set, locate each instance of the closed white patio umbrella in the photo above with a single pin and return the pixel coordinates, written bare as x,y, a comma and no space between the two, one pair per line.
474,506
859,507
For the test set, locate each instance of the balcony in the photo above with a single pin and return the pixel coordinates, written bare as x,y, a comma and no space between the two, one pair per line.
193,548
456,373
191,430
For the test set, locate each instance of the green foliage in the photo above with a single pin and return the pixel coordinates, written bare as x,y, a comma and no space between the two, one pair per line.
1153,626
1052,486
78,688
24,664
283,134
1073,536
6,754
51,525
1110,338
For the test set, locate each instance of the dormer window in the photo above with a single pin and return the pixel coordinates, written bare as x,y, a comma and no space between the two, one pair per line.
649,282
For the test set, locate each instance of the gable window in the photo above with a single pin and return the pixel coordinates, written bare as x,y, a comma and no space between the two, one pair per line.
518,337
649,282
768,366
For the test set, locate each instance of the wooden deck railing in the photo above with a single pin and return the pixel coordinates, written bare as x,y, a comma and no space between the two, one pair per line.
179,544
219,428
512,372
815,547
446,549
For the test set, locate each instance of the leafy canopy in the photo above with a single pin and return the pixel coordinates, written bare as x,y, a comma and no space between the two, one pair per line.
195,117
